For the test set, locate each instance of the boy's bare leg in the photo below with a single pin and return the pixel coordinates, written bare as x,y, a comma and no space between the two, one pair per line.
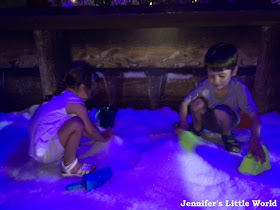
224,121
198,108
70,135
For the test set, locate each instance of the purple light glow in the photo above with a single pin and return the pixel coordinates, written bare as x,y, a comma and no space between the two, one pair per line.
150,168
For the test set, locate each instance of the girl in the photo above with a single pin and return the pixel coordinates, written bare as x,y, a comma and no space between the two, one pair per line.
58,125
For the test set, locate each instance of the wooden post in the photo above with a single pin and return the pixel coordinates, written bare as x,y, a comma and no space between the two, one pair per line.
54,55
157,81
267,74
3,93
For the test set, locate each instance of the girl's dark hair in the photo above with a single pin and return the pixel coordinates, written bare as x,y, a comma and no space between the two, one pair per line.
79,72
221,56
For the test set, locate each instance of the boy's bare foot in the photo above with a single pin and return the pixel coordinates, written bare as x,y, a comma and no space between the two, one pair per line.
231,144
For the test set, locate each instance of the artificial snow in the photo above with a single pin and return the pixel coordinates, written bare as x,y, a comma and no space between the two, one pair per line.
173,76
150,168
134,75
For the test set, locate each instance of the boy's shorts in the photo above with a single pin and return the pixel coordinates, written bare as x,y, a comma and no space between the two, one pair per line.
209,120
54,152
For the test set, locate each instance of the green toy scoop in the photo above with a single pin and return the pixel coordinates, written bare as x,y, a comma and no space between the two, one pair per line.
250,166
189,140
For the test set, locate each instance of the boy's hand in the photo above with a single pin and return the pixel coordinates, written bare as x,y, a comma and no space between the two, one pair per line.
184,126
178,131
108,134
257,151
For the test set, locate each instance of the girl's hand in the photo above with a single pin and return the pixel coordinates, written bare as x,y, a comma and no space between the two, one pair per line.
108,134
257,151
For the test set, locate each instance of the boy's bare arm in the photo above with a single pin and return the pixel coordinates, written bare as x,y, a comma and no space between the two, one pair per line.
183,116
255,146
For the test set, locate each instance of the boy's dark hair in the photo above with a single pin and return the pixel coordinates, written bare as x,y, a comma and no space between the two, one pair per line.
221,56
79,72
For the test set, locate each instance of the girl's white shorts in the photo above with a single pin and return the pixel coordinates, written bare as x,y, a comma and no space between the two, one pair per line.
54,152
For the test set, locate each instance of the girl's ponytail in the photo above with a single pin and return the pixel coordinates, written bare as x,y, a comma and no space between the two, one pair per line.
60,88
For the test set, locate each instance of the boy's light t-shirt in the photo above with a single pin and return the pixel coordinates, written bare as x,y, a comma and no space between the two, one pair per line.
47,120
238,97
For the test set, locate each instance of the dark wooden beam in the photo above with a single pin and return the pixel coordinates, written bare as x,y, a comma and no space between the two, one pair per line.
53,58
138,17
197,71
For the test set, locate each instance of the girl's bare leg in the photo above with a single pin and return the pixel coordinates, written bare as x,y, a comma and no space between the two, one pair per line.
70,135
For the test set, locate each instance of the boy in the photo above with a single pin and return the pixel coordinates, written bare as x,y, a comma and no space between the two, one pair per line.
214,104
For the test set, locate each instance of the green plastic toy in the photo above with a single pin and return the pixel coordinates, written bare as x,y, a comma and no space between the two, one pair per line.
189,140
250,166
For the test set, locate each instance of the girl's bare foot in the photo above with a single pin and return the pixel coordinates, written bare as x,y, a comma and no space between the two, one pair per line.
73,168
79,165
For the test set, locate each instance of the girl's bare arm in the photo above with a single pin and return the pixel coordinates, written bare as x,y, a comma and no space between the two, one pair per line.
90,130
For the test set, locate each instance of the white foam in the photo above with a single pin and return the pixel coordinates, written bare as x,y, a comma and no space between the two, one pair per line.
150,168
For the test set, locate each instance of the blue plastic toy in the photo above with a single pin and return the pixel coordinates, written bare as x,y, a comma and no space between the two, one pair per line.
93,180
